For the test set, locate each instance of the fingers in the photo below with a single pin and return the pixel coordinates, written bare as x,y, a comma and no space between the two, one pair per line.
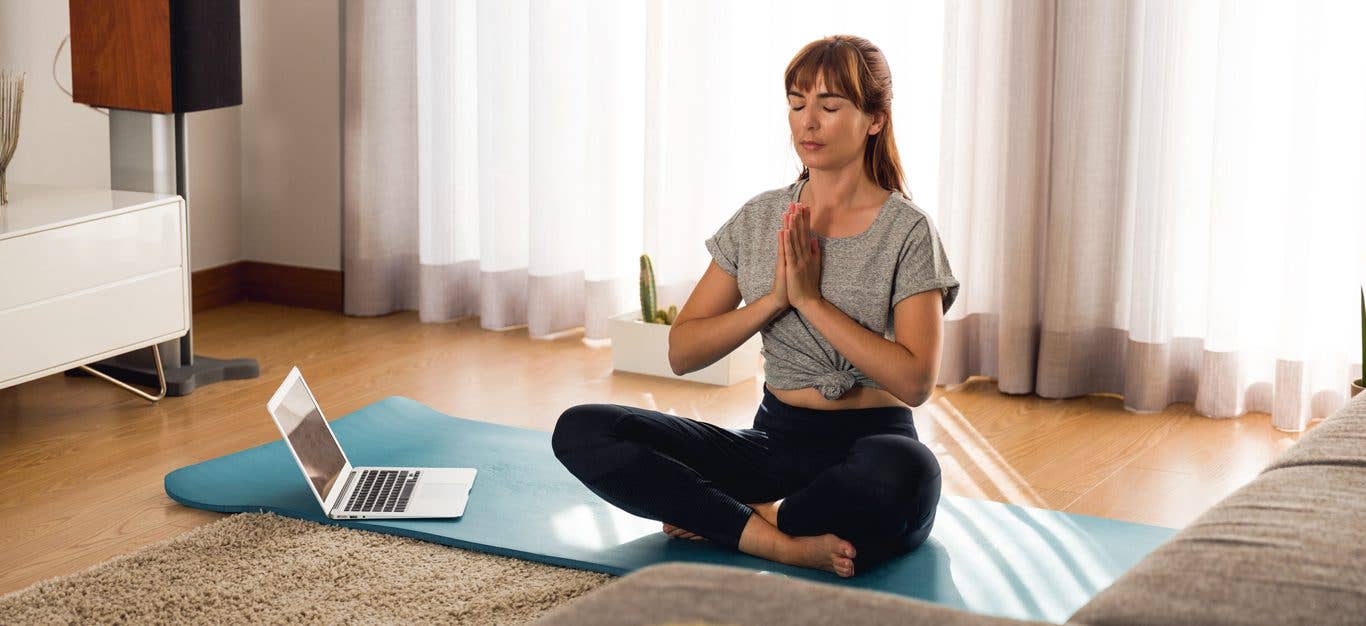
785,239
782,254
805,239
782,237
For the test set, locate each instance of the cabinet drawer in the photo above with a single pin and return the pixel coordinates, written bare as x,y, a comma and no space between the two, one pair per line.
57,334
60,261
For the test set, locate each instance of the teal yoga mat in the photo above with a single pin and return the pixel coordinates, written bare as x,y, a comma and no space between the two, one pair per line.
985,557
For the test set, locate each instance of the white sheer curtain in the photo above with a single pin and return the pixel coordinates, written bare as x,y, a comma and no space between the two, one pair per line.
553,142
1158,199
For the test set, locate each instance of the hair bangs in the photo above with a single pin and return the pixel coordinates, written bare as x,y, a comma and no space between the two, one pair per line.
838,63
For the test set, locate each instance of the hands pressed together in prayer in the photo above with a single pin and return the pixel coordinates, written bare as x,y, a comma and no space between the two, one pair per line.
797,275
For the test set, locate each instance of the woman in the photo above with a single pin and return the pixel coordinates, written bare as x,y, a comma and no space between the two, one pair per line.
847,282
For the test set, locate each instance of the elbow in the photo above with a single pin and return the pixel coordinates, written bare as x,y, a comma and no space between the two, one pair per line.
675,365
675,358
918,393
919,386
914,399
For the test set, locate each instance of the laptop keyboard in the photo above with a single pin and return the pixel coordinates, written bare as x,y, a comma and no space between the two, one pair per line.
383,491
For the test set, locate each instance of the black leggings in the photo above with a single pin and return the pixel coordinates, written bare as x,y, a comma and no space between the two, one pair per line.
861,474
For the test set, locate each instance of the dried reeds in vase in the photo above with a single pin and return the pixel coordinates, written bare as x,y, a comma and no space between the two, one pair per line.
11,105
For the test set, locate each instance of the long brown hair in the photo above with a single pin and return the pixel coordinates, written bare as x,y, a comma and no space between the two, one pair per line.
853,66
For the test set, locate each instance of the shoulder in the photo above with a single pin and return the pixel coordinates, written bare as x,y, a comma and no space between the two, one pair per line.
912,230
908,215
909,225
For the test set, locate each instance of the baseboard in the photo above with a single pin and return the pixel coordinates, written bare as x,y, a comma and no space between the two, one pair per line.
266,282
216,286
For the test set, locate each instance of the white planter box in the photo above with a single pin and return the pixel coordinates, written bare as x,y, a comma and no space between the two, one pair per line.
644,349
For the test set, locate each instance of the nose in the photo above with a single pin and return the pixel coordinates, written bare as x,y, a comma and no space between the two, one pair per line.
809,119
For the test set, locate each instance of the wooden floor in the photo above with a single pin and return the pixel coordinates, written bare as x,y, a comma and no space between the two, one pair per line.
83,461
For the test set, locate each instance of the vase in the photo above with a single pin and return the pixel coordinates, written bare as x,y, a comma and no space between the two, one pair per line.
11,105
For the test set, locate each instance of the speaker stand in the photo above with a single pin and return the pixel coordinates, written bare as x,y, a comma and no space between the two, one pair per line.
149,152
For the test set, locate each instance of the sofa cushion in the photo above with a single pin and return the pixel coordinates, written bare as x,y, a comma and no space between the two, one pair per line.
1287,548
1338,440
702,593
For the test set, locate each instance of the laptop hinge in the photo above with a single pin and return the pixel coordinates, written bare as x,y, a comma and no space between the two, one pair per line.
340,504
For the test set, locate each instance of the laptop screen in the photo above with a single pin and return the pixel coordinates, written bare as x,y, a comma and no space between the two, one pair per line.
312,440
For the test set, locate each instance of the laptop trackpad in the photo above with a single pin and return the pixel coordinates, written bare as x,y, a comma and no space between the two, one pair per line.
445,492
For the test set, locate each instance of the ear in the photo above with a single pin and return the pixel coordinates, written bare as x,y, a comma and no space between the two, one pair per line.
876,126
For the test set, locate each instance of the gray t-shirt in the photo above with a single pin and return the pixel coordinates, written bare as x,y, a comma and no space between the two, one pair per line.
864,275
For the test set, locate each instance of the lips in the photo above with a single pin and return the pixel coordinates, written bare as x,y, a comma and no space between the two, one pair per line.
811,145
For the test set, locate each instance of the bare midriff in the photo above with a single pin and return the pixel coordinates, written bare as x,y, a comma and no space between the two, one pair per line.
858,397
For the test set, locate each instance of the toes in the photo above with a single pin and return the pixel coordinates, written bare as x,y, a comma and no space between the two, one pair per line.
674,531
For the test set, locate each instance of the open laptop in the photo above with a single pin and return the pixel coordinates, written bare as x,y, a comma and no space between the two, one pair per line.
347,492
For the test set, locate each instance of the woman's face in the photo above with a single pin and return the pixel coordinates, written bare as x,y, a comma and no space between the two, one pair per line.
828,131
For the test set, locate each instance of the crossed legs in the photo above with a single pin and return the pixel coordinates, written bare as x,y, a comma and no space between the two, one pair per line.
876,501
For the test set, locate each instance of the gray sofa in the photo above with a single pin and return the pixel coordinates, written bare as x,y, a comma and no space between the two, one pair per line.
1287,548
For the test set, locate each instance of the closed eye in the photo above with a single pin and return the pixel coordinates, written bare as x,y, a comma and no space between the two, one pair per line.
804,106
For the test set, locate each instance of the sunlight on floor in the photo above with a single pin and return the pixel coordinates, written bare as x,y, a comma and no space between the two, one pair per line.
1038,554
585,527
981,455
1021,560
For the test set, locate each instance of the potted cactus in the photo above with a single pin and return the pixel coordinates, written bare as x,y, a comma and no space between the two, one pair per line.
1359,384
650,314
640,341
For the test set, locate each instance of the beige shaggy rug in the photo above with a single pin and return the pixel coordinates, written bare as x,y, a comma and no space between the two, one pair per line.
261,567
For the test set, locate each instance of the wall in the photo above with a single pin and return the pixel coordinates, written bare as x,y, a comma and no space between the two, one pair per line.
265,177
60,142
215,185
291,132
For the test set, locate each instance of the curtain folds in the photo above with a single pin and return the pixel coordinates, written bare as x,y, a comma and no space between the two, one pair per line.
1162,200
1157,199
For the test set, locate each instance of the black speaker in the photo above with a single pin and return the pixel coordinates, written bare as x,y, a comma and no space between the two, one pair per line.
162,56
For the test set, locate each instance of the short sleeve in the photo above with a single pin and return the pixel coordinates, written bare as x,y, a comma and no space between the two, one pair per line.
922,265
724,246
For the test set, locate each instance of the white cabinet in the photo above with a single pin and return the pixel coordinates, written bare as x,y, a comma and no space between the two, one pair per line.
86,274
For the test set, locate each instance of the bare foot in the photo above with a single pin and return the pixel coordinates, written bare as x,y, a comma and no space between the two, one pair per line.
674,531
827,552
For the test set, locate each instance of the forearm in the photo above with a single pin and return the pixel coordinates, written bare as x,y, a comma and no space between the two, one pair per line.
697,343
888,363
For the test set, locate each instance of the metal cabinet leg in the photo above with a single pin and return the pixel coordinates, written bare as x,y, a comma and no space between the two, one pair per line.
161,378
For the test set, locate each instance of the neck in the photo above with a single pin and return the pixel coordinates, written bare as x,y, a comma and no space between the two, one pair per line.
842,190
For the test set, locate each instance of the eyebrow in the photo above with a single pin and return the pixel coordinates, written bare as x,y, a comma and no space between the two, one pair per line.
823,94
